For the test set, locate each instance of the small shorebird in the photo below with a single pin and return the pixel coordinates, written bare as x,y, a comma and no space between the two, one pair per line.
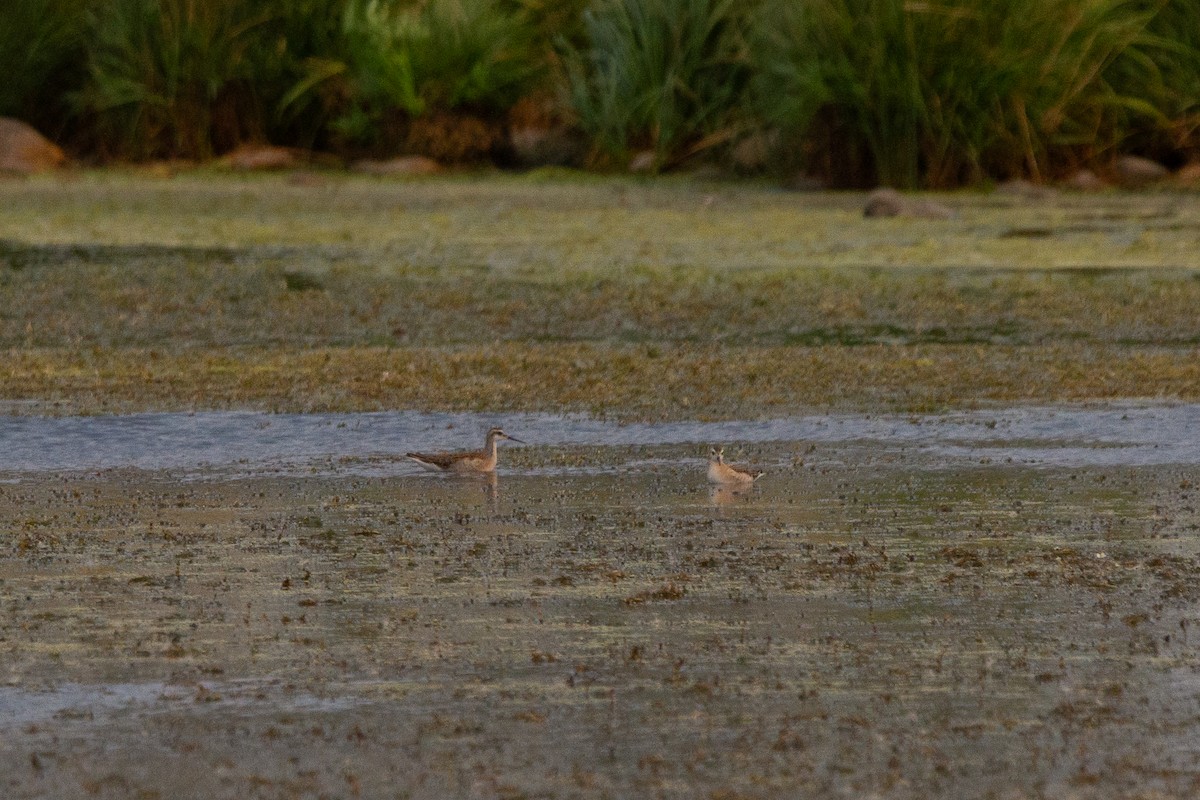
471,461
720,472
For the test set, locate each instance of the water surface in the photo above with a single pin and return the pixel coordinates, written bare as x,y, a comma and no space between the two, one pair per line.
372,443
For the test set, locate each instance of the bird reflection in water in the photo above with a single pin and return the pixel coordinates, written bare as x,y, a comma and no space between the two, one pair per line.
727,495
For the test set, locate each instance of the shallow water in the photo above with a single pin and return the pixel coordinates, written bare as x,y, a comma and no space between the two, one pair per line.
368,444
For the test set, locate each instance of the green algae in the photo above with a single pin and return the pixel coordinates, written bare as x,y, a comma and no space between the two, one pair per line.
625,297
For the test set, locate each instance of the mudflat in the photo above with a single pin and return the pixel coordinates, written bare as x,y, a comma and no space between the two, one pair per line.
865,621
970,570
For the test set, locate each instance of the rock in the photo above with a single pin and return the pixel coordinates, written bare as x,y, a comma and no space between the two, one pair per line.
402,166
163,170
1085,181
25,151
261,157
1189,175
644,161
1019,187
537,146
886,202
306,179
1135,171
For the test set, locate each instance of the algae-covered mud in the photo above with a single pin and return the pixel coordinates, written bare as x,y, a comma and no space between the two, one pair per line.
992,604
668,300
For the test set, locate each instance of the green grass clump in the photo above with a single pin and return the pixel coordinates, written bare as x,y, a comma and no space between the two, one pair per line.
402,62
944,92
447,54
663,75
296,35
161,74
1164,71
190,78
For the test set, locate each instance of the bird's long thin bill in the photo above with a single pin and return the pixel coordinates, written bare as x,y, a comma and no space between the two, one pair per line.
515,439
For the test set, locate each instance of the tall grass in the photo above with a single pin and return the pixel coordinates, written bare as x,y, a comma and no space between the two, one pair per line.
39,39
451,54
553,19
664,75
159,71
296,35
904,92
470,57
1164,71
947,90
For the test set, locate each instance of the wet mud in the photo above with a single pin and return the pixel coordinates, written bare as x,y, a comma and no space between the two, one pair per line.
898,612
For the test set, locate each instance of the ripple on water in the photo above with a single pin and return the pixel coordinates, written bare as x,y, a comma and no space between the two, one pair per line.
369,443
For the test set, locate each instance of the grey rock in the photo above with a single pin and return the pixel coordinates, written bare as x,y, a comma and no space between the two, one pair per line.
402,166
1135,171
1019,187
886,202
261,157
1085,181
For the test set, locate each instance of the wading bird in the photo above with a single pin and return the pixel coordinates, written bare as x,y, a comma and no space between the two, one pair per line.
720,472
471,461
